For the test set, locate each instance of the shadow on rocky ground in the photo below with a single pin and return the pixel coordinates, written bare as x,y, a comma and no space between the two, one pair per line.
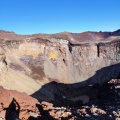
59,91
106,106
44,114
12,112
85,100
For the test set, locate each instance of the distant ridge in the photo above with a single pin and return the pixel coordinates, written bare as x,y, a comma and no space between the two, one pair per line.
72,37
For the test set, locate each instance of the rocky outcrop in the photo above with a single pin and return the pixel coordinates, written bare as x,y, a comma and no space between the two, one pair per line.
3,63
37,60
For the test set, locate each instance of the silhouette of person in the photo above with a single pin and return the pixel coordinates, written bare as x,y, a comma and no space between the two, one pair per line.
12,112
44,113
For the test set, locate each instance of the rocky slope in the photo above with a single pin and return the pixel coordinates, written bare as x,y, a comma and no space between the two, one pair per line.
14,104
46,66
106,106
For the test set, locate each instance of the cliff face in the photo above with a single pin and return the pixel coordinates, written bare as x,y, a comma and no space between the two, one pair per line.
28,64
93,62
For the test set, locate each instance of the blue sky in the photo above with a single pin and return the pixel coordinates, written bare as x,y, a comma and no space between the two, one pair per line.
53,16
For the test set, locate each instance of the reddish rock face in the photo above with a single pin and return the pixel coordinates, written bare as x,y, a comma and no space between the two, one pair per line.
13,103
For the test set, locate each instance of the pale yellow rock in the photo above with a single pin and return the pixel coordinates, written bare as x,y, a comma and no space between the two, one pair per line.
52,55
